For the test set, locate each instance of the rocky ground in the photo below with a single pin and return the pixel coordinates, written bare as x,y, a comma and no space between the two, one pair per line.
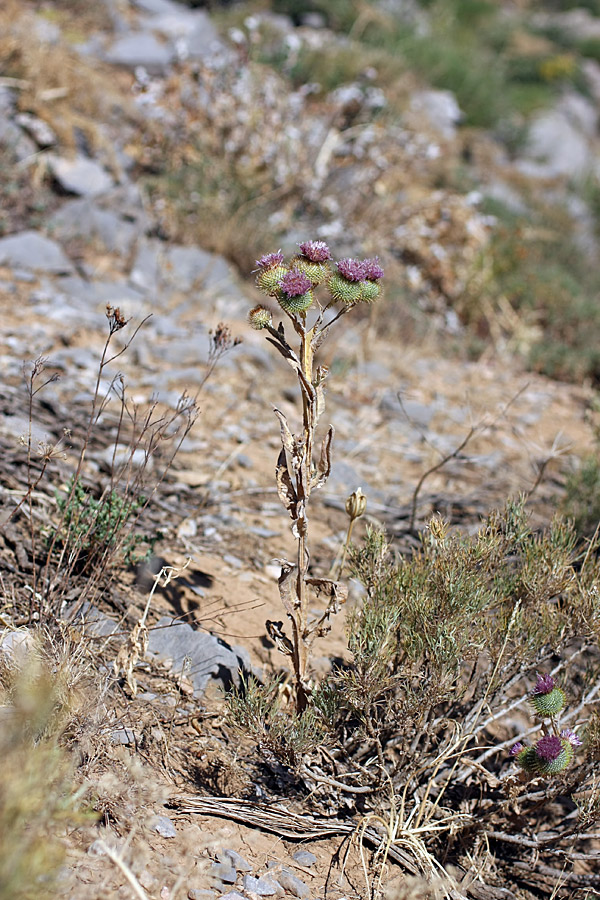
399,408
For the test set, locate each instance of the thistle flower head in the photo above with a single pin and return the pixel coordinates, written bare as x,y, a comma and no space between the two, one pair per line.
569,735
351,269
546,698
372,271
516,748
270,260
549,747
315,251
544,684
295,283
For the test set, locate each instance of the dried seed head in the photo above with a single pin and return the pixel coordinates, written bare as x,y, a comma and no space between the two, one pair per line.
356,504
259,317
116,319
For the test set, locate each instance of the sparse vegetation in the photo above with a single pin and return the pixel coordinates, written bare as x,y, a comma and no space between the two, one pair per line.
454,731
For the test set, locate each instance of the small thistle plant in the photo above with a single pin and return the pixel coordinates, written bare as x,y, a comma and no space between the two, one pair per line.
293,286
553,752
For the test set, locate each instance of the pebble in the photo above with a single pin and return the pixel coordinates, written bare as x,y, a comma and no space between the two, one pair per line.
202,894
224,871
263,886
293,884
237,860
304,858
165,827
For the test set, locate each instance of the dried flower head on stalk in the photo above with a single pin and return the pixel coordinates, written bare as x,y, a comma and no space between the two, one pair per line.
293,285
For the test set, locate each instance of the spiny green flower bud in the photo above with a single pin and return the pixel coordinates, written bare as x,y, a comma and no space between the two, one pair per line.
369,291
268,280
259,317
297,304
525,757
356,504
296,295
317,272
546,698
553,754
341,289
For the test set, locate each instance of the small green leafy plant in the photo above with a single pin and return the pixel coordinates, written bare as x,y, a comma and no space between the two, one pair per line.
98,525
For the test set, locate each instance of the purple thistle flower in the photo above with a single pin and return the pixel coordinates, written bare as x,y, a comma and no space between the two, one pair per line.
544,684
516,748
371,269
351,269
295,283
316,251
549,747
569,735
270,260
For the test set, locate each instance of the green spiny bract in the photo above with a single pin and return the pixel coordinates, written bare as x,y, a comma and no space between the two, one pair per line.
369,291
268,280
317,272
342,290
546,698
297,304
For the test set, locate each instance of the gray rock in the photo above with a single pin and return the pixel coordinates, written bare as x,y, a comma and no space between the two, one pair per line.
145,271
37,129
183,267
164,826
232,895
560,140
263,886
440,109
209,657
224,872
304,858
32,250
237,861
17,645
141,48
124,736
15,140
80,175
82,218
204,42
293,884
156,7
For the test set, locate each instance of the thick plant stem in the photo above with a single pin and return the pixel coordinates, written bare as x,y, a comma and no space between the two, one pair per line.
303,556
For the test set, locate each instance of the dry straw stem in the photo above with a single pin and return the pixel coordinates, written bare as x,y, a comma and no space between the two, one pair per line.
136,644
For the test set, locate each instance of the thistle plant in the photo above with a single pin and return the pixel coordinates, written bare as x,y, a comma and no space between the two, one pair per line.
293,287
553,752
